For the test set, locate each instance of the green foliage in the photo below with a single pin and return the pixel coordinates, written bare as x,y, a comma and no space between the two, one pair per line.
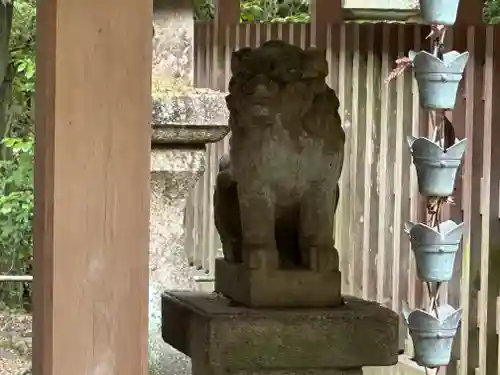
260,10
203,10
492,11
22,63
16,159
274,11
16,214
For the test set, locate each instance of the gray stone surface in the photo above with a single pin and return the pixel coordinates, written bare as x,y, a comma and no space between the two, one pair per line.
185,118
189,116
222,338
173,40
289,287
189,106
174,172
287,149
187,134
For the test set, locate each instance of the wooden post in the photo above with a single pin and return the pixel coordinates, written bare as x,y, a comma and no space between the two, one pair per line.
227,14
489,278
470,12
324,12
93,141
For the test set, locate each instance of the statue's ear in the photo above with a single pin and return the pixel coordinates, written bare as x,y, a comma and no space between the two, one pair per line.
237,59
316,64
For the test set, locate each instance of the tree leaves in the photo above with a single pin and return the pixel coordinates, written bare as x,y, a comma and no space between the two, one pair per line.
16,164
274,11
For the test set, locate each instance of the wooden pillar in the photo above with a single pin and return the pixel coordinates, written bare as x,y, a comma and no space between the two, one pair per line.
470,12
227,14
93,140
489,288
324,12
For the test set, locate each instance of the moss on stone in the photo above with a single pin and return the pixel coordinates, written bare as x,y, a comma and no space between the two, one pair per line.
168,87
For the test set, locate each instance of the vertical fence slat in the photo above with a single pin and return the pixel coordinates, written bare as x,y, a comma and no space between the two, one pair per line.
280,32
398,166
474,125
197,45
356,161
490,240
257,35
289,34
247,34
392,124
374,116
345,97
231,37
367,160
415,198
401,174
471,185
382,166
332,38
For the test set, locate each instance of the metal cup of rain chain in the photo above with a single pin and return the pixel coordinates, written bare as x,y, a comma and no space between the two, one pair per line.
432,335
436,168
435,249
439,12
438,79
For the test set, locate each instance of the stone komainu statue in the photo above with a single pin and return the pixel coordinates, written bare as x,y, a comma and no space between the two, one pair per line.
276,195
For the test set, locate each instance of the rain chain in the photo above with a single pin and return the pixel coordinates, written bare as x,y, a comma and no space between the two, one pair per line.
435,244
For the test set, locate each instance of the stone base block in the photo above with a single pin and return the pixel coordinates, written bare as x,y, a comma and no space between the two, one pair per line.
222,338
277,288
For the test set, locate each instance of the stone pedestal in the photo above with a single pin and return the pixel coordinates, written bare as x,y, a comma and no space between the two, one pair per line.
284,288
222,338
182,125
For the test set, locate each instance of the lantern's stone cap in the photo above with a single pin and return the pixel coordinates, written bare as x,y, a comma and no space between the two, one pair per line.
189,116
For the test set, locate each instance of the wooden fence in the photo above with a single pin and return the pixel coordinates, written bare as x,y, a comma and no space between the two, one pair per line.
378,187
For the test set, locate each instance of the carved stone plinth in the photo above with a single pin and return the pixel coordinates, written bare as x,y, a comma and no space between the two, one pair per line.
224,339
264,288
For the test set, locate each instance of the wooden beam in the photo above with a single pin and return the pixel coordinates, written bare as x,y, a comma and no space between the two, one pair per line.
92,187
324,12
